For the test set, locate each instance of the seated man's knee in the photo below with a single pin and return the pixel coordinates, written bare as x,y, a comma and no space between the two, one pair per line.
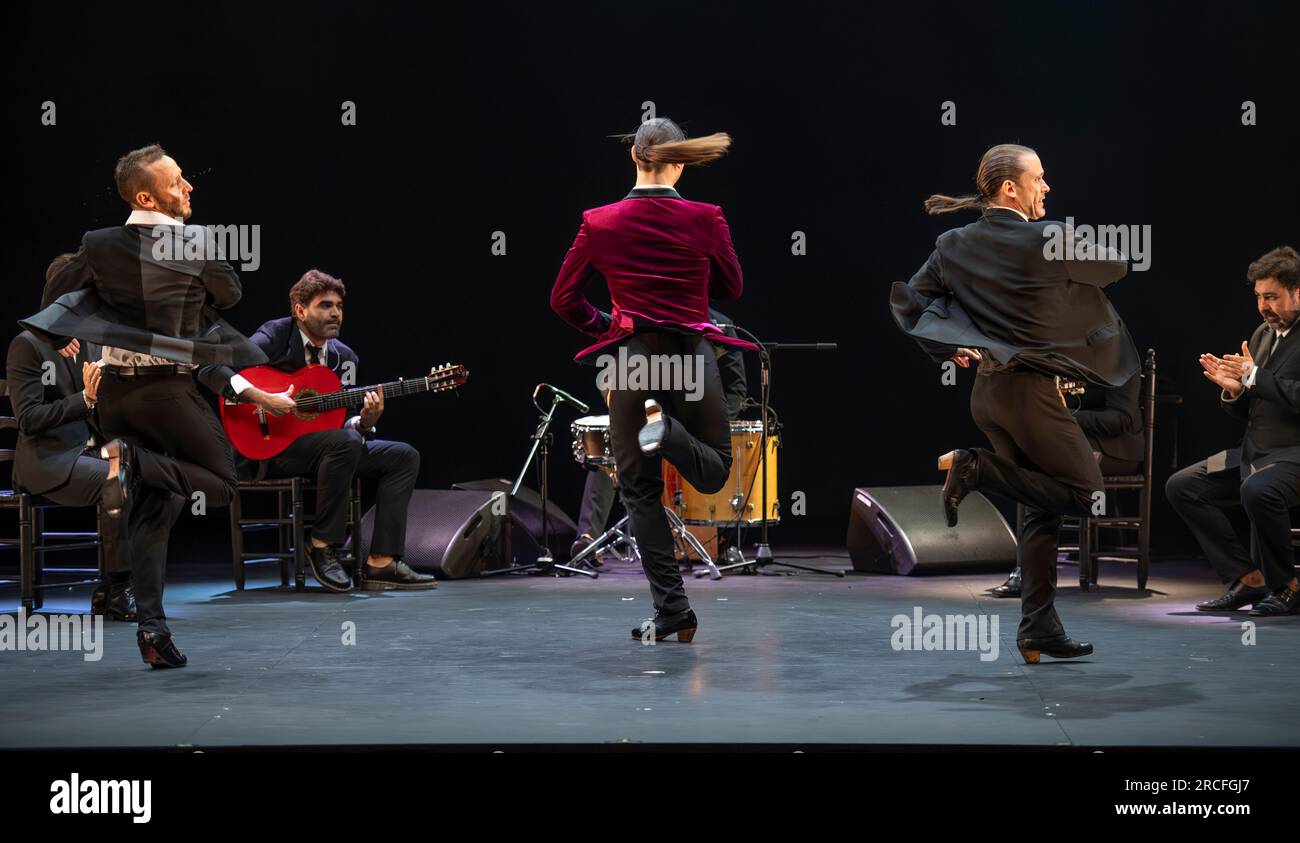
1177,489
1260,494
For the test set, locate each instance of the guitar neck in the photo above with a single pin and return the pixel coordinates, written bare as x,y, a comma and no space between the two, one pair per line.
356,397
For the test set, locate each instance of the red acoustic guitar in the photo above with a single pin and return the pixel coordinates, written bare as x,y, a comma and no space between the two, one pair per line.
322,404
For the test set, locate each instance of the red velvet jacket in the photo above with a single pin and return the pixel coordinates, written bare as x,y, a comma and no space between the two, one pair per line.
663,259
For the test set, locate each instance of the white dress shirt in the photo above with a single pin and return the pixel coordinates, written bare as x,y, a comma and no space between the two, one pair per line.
1248,379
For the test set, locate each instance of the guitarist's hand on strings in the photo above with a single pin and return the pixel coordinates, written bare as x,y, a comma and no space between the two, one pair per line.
372,409
275,403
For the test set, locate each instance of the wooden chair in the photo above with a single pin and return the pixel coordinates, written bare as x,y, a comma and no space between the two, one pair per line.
33,541
290,524
1090,552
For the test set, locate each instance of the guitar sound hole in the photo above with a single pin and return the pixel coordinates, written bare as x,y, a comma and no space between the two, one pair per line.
298,396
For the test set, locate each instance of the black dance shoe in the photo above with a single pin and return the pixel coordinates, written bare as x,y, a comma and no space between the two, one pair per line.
683,624
1284,601
118,488
960,481
326,568
116,601
1010,588
158,650
1058,647
1239,595
656,428
396,574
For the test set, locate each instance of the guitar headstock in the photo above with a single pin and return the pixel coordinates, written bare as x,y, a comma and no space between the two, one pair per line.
447,376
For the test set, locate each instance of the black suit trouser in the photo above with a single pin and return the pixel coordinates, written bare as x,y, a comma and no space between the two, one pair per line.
333,458
1042,459
1201,497
183,457
698,445
85,487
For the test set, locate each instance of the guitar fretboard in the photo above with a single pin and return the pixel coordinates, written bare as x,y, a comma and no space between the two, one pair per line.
356,396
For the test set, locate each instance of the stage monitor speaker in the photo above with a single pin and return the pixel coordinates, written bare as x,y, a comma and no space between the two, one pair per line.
452,533
526,520
901,530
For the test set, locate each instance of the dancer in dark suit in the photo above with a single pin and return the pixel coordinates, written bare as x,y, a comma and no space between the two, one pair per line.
154,315
992,293
663,257
1260,386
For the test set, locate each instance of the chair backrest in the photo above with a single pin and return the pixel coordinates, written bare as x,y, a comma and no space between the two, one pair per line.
7,423
1149,411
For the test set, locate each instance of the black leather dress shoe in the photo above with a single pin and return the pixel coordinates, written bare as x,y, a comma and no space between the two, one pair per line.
116,601
1010,588
661,626
1284,601
651,436
326,568
397,575
1058,647
159,650
118,488
959,483
1239,595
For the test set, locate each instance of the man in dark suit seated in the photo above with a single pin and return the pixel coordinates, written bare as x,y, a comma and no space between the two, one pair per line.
1260,386
1111,418
53,396
333,458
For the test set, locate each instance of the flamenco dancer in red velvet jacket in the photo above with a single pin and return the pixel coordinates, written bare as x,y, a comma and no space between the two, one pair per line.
663,257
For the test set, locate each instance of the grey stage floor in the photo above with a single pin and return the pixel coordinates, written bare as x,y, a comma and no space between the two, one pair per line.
803,659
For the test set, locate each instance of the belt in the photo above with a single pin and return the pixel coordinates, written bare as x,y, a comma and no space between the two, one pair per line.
141,371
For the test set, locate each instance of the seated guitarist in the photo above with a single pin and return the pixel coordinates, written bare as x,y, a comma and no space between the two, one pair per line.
333,458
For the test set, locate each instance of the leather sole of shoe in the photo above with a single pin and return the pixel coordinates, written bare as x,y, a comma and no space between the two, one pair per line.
155,659
1035,656
652,415
379,585
945,461
996,593
685,636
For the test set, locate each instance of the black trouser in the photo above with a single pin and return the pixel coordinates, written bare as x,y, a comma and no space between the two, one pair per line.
597,501
333,458
1041,459
85,487
1200,496
181,450
698,445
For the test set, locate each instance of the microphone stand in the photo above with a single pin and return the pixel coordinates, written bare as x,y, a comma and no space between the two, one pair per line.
763,557
541,444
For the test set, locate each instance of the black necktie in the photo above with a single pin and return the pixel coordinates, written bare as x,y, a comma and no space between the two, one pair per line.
314,354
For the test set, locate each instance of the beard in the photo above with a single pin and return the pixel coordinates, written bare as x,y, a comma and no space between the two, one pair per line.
177,209
323,328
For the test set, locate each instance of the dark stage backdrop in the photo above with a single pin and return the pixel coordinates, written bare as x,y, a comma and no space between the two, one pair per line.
494,118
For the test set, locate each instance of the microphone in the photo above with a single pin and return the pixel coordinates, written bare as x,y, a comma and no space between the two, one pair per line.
563,396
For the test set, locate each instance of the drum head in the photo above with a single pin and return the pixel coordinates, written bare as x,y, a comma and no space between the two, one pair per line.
590,423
